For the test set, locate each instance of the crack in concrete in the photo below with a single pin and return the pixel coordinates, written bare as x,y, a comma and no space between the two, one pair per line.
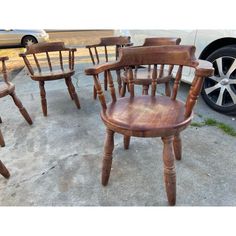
42,173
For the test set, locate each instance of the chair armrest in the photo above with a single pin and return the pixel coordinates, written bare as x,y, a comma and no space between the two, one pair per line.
4,58
22,55
93,45
204,68
101,68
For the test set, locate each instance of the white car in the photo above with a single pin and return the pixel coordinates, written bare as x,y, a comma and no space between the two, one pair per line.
21,38
216,46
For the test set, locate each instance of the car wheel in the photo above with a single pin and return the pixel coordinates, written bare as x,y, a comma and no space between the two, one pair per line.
28,40
219,90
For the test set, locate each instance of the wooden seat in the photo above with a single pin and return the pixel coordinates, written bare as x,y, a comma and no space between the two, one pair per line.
107,50
4,171
52,75
146,116
8,88
143,75
150,115
51,61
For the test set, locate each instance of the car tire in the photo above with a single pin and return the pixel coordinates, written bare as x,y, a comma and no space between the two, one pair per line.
28,40
219,90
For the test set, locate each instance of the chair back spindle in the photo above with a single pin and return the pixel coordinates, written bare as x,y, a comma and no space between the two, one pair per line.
161,71
177,82
61,60
100,92
106,55
49,61
167,84
37,62
119,80
131,81
111,86
154,80
72,63
91,56
96,53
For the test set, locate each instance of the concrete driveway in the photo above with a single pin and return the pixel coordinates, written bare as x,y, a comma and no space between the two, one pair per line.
57,160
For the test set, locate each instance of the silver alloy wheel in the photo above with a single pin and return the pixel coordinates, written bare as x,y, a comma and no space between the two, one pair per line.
29,42
221,87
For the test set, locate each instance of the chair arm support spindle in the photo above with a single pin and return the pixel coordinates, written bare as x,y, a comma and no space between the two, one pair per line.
100,92
4,70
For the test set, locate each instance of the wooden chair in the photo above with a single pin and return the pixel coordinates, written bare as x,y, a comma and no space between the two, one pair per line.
150,115
4,171
8,88
99,54
142,75
55,67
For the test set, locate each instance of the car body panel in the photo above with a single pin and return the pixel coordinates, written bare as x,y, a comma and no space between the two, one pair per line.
13,37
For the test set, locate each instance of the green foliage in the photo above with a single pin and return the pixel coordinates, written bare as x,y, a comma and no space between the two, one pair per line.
211,122
197,124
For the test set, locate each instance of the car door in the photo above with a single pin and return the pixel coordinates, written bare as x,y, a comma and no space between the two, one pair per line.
9,37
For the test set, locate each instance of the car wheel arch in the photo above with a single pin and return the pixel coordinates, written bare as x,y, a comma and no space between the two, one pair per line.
217,44
28,35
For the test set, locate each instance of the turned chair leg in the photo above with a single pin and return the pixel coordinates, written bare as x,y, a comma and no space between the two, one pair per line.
127,86
22,110
169,169
126,142
107,157
123,90
2,142
94,93
177,147
73,92
145,90
4,171
43,98
67,84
